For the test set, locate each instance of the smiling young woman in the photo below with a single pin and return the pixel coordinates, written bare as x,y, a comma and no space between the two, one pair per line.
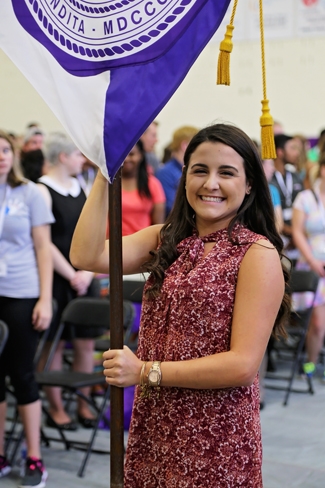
215,293
215,185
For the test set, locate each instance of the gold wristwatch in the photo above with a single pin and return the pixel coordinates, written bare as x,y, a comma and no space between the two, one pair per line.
154,375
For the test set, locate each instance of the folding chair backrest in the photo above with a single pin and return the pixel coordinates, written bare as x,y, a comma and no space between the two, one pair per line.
81,312
3,335
87,312
303,281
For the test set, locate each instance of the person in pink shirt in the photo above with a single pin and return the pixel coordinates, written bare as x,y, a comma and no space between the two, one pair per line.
143,197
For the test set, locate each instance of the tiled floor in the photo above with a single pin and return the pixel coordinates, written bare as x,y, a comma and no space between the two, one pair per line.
293,444
294,439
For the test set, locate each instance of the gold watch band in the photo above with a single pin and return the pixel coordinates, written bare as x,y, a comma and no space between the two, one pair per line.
154,375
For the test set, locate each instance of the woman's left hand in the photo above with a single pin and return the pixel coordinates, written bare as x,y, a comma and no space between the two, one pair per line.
42,315
122,367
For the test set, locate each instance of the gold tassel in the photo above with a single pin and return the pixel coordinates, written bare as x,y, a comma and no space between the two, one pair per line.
266,121
223,71
267,136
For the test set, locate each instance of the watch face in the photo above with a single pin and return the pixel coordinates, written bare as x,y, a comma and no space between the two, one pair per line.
153,376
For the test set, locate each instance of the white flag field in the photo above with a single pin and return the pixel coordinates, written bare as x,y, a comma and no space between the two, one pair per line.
106,68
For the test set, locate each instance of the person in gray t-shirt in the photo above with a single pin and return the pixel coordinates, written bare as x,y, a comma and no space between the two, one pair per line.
25,301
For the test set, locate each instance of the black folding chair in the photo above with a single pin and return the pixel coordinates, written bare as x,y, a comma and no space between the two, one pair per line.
292,347
79,313
3,335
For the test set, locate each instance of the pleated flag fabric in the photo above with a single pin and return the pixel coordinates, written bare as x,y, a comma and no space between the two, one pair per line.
107,67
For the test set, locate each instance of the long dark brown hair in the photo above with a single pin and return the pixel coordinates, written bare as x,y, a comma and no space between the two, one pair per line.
256,211
143,177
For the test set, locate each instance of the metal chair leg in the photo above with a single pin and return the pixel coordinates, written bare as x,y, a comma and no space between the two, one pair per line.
92,439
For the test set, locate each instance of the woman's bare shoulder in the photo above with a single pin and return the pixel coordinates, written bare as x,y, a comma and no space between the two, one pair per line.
261,257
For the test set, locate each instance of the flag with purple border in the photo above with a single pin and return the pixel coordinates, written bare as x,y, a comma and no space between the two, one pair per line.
107,67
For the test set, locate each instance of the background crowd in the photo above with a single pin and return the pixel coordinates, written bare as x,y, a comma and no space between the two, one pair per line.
60,178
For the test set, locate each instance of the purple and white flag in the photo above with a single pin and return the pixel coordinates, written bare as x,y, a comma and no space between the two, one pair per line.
107,67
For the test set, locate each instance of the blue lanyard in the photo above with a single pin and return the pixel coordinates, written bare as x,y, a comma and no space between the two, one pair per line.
4,208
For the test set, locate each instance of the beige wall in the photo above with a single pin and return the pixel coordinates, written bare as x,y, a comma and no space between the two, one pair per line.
19,101
295,83
295,87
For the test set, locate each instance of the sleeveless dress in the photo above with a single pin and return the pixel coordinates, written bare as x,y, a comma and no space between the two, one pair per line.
187,438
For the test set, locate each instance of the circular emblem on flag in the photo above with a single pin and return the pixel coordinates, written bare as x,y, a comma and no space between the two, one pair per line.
106,30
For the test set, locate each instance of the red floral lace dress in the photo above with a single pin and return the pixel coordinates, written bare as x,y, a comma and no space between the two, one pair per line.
186,438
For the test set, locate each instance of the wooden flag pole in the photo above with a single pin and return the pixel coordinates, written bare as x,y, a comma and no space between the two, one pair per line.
116,328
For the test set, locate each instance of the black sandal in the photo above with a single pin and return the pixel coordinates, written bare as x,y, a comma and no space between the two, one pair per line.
71,426
87,423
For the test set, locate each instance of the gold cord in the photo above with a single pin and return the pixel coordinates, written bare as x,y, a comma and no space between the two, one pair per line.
266,120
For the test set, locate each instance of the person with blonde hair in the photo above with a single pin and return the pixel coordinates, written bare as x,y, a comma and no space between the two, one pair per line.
170,174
